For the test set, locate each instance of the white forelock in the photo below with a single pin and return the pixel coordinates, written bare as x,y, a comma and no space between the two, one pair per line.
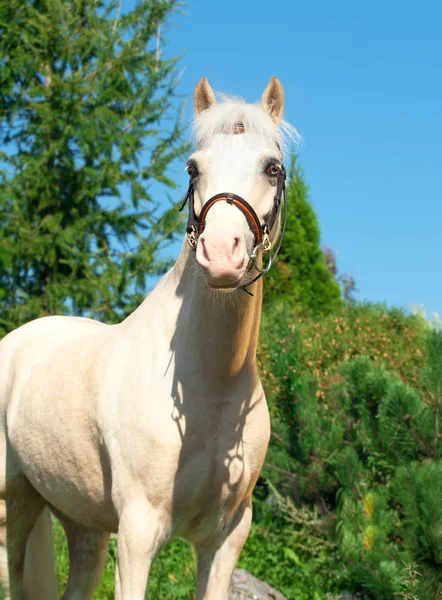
225,115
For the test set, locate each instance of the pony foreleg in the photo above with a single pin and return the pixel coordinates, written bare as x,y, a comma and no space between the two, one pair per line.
141,533
87,556
216,561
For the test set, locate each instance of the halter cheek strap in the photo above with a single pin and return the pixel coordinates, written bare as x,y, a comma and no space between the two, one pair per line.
262,232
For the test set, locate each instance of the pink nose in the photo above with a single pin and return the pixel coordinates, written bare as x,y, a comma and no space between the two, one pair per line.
222,257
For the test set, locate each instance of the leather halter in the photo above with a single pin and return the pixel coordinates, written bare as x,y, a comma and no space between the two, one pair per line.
243,206
262,232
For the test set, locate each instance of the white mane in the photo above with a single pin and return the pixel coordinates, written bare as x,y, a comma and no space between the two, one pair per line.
225,115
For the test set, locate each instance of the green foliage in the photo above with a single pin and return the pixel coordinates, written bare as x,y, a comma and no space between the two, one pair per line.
353,440
84,95
291,548
386,336
300,276
409,582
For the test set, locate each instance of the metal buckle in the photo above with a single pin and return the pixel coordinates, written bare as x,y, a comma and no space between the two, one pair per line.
265,246
192,238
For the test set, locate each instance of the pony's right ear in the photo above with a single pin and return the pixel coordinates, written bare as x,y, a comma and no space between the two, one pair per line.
203,96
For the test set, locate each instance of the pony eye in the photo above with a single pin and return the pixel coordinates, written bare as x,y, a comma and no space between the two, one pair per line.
192,170
273,170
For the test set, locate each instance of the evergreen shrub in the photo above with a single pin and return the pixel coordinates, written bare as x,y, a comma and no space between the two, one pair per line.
355,401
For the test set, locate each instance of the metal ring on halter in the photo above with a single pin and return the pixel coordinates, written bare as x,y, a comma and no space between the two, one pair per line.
265,246
265,269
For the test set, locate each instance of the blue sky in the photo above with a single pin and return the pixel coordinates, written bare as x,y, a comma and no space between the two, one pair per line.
363,83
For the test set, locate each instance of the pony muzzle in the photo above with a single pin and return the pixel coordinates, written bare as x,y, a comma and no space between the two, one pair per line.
223,257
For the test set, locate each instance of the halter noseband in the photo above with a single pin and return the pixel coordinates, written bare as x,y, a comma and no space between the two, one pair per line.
262,232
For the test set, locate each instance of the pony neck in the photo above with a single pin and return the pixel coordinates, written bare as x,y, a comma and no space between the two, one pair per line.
221,328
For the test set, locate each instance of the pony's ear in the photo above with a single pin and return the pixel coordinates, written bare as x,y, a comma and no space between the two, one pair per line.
203,96
273,99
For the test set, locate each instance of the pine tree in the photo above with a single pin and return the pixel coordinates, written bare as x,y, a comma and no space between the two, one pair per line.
300,276
365,451
88,122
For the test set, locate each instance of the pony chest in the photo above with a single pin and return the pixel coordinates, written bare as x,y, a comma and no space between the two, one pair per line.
215,478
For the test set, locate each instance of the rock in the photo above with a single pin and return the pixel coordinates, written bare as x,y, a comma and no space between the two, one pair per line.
246,587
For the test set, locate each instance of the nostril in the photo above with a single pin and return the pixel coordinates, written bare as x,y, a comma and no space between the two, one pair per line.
204,248
235,243
237,252
202,253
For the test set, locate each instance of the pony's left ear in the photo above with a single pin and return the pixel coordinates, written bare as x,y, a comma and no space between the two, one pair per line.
273,99
203,96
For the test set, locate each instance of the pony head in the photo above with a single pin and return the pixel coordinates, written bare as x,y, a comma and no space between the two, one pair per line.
235,173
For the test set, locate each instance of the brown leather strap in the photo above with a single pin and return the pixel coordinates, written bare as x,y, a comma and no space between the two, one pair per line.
240,203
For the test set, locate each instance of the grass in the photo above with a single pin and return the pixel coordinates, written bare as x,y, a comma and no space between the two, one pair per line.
172,576
267,555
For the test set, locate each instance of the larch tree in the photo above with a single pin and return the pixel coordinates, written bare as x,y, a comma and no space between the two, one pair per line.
89,121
